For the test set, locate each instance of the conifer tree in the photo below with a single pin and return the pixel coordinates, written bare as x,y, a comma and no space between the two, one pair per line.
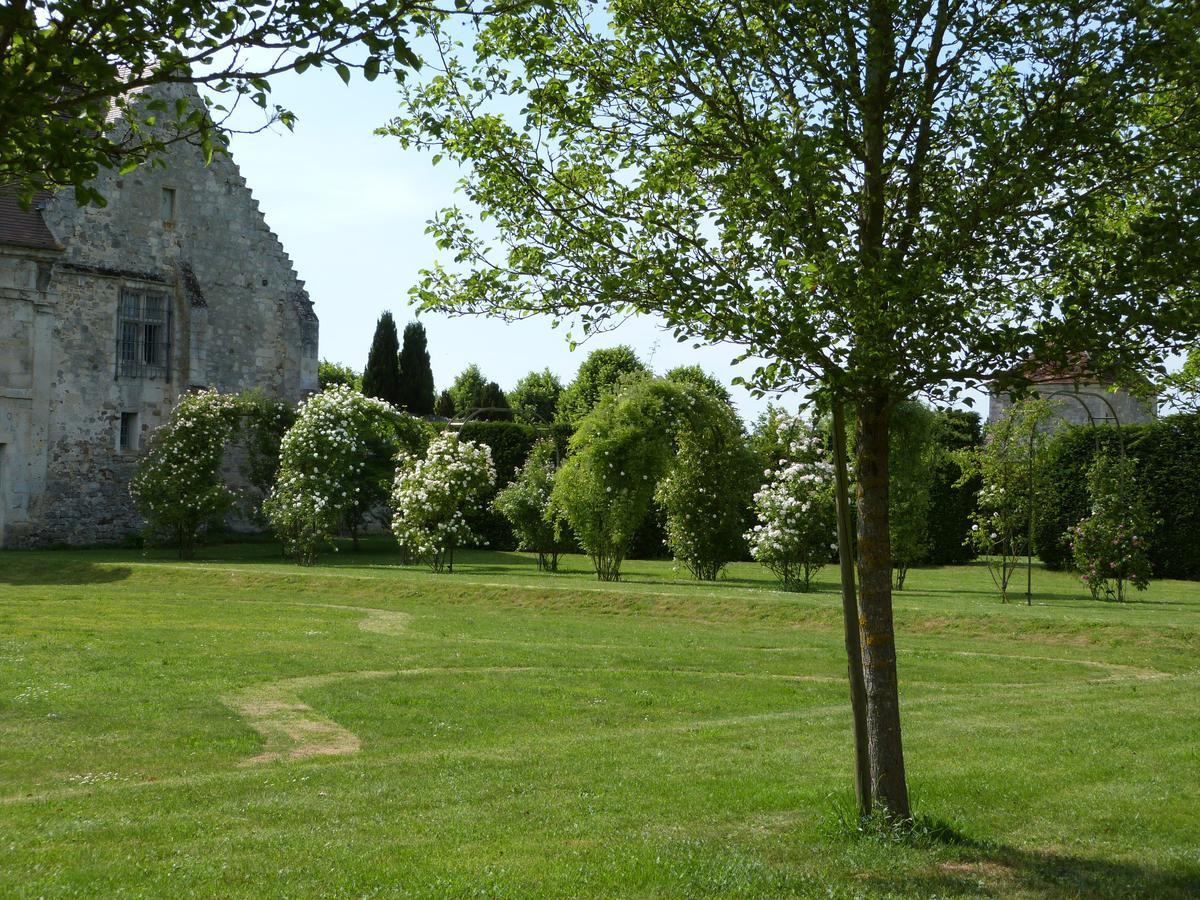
381,377
444,406
416,375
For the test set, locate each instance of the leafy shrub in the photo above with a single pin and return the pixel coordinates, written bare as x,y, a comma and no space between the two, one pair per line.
598,377
797,527
1063,495
331,373
1168,452
432,494
1007,464
620,450
694,376
510,443
535,397
177,487
774,431
525,504
708,489
1110,545
263,421
472,392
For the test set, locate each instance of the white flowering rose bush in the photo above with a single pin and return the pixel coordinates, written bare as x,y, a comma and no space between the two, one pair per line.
707,491
328,467
797,522
177,487
432,495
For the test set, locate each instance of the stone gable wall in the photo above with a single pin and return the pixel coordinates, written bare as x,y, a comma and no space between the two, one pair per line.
240,319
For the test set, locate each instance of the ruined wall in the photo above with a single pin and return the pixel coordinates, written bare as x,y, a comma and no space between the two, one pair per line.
239,318
27,311
1130,410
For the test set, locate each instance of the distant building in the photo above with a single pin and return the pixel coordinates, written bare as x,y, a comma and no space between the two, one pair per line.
1080,397
108,315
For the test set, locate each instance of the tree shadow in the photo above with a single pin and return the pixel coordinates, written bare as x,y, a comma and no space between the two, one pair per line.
19,572
988,870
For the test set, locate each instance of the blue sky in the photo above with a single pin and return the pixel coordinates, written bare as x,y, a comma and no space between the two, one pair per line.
351,210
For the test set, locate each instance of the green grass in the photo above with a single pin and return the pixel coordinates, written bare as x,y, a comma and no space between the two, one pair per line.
527,735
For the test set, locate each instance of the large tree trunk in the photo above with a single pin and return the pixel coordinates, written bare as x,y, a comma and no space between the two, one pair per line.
875,611
850,616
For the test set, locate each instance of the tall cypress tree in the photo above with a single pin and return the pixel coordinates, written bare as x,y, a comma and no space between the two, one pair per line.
416,375
381,377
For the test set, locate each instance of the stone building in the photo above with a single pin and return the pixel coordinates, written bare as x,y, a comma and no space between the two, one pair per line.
1080,397
108,315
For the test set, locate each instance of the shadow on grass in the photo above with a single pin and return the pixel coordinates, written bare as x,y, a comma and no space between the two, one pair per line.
1005,871
17,572
995,870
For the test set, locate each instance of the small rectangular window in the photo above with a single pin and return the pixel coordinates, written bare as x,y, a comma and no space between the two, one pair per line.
127,440
168,205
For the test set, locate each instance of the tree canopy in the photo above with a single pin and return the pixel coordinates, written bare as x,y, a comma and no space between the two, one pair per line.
880,198
330,373
598,376
535,397
471,392
71,69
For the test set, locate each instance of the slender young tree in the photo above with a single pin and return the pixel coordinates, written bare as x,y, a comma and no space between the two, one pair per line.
880,198
416,375
381,377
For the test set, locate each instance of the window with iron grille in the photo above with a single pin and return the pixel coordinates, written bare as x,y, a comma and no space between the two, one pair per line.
143,335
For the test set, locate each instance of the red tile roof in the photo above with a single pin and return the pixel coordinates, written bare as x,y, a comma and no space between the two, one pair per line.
24,227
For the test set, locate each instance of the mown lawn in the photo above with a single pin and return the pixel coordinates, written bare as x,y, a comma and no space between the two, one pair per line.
236,726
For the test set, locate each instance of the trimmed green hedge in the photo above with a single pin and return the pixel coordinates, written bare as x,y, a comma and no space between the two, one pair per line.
1168,453
951,505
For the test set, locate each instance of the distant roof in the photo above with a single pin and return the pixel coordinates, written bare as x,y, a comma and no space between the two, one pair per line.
24,227
1078,367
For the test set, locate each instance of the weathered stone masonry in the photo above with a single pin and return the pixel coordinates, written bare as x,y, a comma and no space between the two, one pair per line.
108,314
